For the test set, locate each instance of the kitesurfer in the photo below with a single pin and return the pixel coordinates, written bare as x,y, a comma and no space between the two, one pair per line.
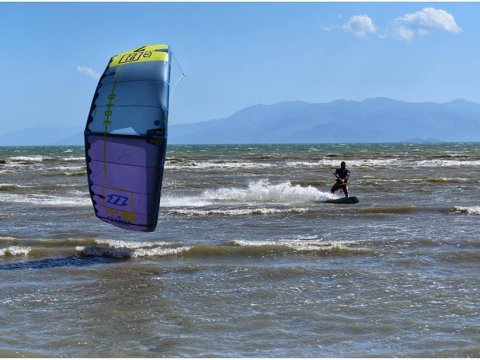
342,174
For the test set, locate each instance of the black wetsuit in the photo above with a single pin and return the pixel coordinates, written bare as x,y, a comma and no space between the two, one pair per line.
342,179
342,173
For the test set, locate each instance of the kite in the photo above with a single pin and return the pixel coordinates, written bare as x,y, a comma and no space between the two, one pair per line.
126,138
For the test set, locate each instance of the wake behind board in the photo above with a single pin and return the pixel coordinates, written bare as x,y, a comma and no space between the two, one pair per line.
343,200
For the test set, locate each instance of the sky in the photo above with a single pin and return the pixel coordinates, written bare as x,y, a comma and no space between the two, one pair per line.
236,55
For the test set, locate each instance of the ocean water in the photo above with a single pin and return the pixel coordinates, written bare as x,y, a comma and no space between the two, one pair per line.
246,259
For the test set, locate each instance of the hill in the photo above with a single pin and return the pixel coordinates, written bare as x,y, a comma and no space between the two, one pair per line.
370,120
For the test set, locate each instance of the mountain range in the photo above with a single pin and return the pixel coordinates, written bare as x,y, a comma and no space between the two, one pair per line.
370,120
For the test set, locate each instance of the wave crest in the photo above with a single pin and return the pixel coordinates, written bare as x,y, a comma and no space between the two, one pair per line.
236,248
15,251
469,210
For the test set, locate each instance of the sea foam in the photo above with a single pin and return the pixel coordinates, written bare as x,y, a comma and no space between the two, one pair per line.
15,251
79,199
469,210
238,212
256,192
130,249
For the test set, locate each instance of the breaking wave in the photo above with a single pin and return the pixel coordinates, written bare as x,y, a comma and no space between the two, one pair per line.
134,249
40,158
67,171
26,159
179,164
255,192
468,210
238,212
387,163
23,188
172,164
237,248
78,199
15,251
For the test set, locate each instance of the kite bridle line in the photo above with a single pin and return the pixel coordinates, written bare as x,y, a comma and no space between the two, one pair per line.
181,70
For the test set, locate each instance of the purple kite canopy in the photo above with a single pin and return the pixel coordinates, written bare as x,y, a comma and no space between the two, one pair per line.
126,138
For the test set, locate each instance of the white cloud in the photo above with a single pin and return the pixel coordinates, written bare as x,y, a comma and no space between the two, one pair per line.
328,27
406,27
85,70
423,22
360,26
404,32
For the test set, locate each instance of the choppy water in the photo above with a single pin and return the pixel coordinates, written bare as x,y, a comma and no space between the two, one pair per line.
246,260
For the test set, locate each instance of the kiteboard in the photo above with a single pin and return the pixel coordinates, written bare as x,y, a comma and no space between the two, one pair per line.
343,200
